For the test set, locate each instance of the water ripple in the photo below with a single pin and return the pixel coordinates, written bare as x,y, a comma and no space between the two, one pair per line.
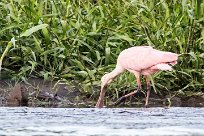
108,121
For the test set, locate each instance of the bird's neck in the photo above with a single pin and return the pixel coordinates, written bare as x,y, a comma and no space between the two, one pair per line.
110,76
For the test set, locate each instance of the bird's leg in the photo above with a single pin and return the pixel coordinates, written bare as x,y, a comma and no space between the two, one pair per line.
123,98
148,91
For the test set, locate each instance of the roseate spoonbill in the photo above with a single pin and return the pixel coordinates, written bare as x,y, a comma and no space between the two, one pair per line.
140,60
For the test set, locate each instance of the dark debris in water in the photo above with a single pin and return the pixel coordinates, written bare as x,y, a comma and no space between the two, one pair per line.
126,111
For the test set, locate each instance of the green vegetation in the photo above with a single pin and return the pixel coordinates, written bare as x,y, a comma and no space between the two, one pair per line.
79,40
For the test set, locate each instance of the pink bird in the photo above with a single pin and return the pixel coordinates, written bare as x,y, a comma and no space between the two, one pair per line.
140,60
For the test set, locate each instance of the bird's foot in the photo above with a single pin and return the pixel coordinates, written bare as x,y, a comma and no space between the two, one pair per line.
120,100
99,104
146,106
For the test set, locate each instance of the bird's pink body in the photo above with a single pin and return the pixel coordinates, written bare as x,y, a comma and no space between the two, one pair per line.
145,59
140,60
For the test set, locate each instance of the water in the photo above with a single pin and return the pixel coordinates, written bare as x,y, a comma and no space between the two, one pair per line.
23,121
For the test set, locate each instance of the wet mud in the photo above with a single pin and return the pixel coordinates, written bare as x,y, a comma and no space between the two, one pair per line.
40,93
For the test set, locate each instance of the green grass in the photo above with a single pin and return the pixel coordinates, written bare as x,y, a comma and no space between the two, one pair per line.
80,40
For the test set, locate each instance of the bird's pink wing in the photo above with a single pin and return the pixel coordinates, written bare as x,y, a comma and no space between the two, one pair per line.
139,58
157,58
135,58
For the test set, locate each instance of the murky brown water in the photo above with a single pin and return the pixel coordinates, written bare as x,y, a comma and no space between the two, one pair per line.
21,121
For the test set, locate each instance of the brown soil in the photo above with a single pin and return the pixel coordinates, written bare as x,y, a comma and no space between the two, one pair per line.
37,92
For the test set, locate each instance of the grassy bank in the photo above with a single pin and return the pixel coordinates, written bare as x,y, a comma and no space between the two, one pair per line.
80,40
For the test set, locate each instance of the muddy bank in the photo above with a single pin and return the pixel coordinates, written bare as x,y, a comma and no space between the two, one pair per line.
40,93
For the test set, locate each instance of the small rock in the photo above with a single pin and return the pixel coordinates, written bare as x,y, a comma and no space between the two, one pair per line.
17,96
176,101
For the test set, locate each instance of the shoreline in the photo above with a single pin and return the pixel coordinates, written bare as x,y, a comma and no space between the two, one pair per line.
40,93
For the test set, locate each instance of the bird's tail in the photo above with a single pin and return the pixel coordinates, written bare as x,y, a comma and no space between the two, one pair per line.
162,67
